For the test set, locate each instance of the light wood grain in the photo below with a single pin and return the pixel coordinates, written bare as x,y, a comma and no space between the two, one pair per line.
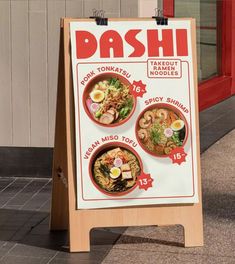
5,75
38,73
20,73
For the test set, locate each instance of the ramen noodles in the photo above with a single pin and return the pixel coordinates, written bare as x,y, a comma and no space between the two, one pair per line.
116,170
160,130
110,101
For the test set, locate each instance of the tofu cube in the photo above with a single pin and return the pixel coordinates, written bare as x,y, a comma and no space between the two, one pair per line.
113,152
125,167
126,175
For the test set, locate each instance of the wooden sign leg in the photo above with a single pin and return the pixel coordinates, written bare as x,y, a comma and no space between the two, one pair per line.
78,223
79,236
59,203
193,228
64,203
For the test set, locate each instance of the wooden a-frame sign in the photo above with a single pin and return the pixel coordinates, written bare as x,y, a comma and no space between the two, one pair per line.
64,214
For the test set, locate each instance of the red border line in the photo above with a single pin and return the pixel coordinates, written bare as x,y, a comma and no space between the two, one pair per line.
164,77
135,198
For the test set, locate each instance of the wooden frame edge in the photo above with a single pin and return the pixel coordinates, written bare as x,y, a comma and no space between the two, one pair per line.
80,222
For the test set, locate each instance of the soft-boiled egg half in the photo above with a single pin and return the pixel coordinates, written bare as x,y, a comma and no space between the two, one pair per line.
115,173
177,125
97,96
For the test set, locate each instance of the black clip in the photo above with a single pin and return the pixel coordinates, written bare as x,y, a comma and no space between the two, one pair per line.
160,19
98,15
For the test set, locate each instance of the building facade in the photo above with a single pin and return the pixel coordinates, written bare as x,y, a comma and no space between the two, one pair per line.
29,44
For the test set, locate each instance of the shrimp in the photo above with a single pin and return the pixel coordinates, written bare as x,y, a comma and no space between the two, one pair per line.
143,134
167,150
159,149
162,113
149,115
144,123
172,116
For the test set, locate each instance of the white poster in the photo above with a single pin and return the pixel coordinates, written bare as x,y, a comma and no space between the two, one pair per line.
135,113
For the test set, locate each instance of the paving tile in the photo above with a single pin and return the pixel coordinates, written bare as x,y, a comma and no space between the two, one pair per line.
216,122
12,190
2,243
20,234
15,225
24,260
14,216
54,241
12,207
72,261
104,237
22,197
40,229
46,206
17,186
31,251
6,235
5,247
51,241
38,200
5,215
4,198
209,137
4,182
37,217
25,220
205,119
96,255
210,114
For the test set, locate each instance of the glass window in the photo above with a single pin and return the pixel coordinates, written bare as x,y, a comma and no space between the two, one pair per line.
205,12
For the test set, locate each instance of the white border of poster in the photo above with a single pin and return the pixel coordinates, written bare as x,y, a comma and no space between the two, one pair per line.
159,78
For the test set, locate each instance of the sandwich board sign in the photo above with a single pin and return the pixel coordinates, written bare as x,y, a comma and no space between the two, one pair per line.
127,118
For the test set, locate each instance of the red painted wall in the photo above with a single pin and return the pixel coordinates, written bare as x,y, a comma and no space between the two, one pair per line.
168,8
219,88
233,47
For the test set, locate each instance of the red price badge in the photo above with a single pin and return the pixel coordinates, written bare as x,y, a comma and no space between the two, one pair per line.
178,155
138,89
145,181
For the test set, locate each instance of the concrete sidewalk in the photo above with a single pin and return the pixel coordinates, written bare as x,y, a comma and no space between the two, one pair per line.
165,244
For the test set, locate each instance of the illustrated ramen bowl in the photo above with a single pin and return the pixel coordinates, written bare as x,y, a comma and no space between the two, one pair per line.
108,101
114,169
160,128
